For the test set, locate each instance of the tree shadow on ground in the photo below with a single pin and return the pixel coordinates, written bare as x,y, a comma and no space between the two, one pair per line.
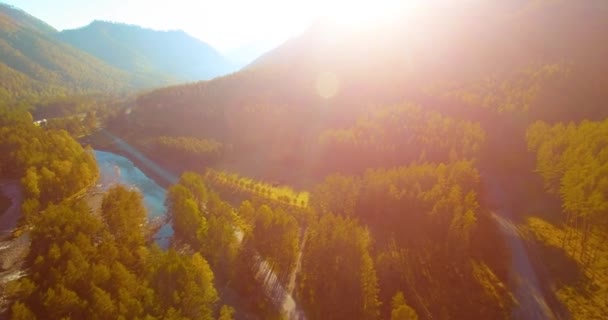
557,270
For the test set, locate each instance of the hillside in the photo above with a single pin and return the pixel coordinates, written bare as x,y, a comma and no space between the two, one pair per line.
169,56
446,43
33,63
510,62
25,20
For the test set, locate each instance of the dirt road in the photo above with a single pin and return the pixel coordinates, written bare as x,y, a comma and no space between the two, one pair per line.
531,304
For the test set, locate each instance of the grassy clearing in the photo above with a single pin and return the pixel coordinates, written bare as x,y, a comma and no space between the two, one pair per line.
581,286
262,189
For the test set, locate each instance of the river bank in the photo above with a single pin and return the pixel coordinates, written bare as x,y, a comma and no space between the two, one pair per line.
104,140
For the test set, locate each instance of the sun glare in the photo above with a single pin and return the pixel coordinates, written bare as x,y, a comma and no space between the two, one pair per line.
357,13
327,85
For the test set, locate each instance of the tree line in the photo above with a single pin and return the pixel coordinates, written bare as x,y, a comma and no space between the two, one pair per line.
229,184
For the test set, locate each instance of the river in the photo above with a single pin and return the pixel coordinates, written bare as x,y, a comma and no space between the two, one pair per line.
115,169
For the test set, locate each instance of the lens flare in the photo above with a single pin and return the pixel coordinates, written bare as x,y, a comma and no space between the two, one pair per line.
327,85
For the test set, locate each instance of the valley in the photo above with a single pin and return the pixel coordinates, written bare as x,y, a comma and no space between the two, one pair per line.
448,161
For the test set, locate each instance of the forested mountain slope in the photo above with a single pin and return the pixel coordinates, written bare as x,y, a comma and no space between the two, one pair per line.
25,20
170,56
514,62
37,61
33,63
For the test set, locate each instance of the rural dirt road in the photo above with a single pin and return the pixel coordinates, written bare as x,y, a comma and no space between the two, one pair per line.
530,304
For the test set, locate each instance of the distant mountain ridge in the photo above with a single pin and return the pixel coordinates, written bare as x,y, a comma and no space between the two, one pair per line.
37,61
172,55
24,19
33,63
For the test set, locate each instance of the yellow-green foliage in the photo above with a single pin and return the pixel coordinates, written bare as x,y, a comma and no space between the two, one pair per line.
266,190
573,162
51,165
581,287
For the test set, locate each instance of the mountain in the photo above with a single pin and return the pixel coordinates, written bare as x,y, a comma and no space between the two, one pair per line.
170,56
25,20
452,41
474,60
435,49
33,63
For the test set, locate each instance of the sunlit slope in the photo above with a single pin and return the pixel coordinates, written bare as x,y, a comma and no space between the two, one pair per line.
502,66
423,48
425,54
450,41
33,63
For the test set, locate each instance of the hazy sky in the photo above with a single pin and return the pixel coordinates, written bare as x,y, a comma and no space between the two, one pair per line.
225,24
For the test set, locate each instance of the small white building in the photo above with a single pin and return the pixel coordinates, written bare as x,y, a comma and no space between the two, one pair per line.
40,122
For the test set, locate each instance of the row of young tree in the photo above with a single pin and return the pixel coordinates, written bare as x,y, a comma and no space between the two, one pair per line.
230,184
274,234
234,241
203,222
